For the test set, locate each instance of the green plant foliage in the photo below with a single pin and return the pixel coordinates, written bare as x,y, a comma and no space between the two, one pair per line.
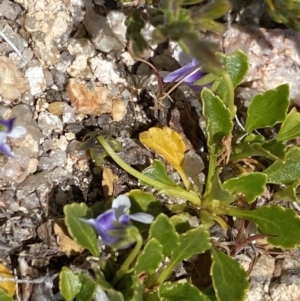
169,291
107,287
194,241
181,222
157,171
268,108
248,161
290,128
285,11
88,288
236,65
82,233
285,172
289,194
5,296
251,185
229,278
279,224
134,24
138,290
150,258
144,201
164,231
218,118
255,145
69,284
218,192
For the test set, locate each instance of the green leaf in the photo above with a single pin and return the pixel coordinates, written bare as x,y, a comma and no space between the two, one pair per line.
290,128
215,10
282,223
230,280
133,288
195,241
145,202
271,149
5,296
107,287
164,231
285,172
152,296
218,118
181,222
251,185
289,194
286,12
82,233
69,284
218,192
169,291
268,108
138,291
88,288
236,65
157,171
150,258
135,24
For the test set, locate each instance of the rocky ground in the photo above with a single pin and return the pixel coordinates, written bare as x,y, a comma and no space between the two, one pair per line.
66,72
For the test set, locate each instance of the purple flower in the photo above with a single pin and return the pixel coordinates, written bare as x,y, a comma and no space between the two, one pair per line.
189,66
8,129
111,224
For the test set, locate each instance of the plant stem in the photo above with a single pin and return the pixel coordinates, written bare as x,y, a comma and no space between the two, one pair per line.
134,253
230,99
211,172
171,190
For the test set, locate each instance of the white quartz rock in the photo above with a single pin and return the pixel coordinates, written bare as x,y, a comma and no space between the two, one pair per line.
104,71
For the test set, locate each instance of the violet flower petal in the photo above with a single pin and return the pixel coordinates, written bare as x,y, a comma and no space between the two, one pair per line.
142,217
181,57
6,150
102,224
9,124
124,219
17,132
3,136
121,204
184,71
178,74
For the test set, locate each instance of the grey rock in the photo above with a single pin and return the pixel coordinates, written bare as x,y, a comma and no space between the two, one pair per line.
49,122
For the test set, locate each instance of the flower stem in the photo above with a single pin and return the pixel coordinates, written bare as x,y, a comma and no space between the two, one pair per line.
134,253
211,172
192,197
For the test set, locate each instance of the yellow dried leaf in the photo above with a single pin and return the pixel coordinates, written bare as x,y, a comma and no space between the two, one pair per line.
65,242
108,181
168,144
8,286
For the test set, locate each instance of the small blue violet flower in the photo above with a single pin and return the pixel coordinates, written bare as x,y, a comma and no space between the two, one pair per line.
8,129
116,218
183,72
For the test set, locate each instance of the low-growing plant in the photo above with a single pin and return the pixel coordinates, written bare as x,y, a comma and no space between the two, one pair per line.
143,258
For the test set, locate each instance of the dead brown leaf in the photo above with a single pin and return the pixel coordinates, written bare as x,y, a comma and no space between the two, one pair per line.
12,81
108,179
226,150
65,242
88,98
